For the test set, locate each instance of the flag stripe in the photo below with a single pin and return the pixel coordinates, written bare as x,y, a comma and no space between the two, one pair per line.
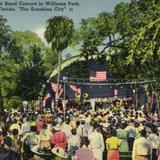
60,92
48,95
74,88
115,92
54,87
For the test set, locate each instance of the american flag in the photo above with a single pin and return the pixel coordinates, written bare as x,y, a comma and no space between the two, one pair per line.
98,76
54,86
74,88
60,92
58,95
48,95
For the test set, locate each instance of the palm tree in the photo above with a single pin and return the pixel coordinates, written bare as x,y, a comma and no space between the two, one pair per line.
59,33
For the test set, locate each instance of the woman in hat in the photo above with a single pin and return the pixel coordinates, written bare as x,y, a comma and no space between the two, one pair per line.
122,134
16,141
112,145
84,153
44,138
59,138
59,153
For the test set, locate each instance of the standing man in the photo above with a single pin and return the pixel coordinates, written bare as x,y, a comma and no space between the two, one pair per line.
141,147
153,139
96,142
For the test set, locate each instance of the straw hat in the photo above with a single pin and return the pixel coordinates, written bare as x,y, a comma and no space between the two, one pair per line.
33,123
37,150
59,120
82,116
48,115
60,152
140,128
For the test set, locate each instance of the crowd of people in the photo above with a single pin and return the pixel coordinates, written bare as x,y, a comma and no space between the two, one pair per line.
97,133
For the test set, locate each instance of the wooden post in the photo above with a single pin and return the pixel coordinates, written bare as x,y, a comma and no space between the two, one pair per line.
158,103
136,98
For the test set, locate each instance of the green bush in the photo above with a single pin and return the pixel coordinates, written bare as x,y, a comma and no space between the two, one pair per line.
15,102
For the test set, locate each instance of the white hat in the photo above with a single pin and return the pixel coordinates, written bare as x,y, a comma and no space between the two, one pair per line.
60,152
106,125
59,120
57,127
36,149
140,128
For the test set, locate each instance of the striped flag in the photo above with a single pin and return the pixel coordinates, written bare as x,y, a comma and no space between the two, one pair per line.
74,88
115,92
54,86
98,76
60,92
48,95
58,95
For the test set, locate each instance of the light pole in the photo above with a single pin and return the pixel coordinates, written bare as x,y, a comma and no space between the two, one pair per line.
135,92
64,87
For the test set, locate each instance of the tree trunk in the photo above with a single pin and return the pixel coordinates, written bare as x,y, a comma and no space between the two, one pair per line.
136,98
59,74
1,103
158,103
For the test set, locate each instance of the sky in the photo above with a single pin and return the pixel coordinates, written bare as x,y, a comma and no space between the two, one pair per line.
36,21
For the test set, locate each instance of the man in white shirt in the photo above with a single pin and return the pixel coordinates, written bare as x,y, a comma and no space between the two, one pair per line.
131,134
96,142
141,147
26,126
153,139
79,128
73,143
66,128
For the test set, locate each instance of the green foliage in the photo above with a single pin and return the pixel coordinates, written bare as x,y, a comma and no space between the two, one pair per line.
5,35
33,62
8,75
14,102
23,64
92,33
138,27
129,38
24,41
49,59
59,32
31,76
77,70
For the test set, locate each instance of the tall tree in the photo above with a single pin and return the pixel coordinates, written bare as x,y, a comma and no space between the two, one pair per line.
137,25
31,76
7,67
59,33
32,62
